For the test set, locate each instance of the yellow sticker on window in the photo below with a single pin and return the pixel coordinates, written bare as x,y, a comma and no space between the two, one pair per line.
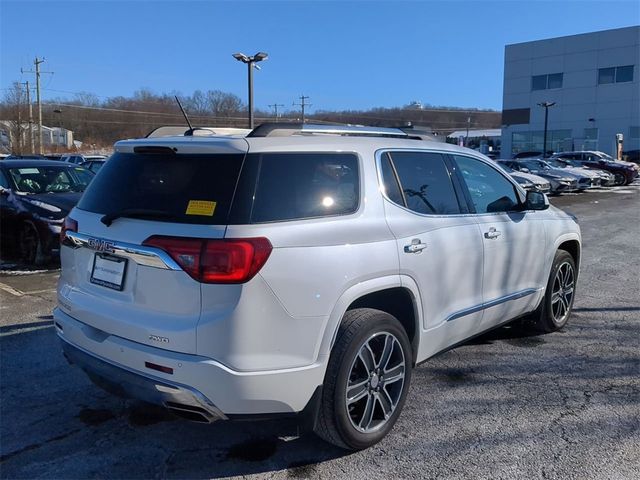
201,207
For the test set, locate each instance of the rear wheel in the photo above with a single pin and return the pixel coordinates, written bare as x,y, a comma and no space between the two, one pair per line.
367,380
557,303
619,179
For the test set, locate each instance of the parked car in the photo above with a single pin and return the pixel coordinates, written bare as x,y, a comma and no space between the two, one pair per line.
593,176
94,165
25,157
531,154
624,172
35,196
607,179
559,179
303,270
528,181
77,159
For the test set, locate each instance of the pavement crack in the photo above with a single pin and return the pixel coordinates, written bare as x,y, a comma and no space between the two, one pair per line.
34,446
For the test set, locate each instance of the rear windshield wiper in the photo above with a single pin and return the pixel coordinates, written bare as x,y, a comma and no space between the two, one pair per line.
135,213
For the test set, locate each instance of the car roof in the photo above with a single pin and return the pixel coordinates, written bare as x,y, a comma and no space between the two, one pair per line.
303,142
35,163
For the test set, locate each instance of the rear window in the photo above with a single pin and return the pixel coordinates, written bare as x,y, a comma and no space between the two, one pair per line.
305,185
220,189
166,187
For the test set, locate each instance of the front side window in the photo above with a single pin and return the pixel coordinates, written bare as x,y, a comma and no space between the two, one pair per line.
425,183
305,185
490,191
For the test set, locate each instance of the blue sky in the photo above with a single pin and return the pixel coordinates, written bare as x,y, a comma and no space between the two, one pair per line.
344,55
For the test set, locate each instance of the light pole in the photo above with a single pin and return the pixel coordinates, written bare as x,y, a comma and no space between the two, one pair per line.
251,63
546,106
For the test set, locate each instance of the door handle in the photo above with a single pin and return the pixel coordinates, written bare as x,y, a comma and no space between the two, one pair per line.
492,233
416,246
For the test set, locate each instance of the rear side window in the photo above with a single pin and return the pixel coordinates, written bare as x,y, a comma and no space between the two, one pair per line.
305,185
166,187
425,182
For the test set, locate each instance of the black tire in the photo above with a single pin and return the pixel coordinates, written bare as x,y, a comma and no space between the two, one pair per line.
29,245
338,415
620,179
555,308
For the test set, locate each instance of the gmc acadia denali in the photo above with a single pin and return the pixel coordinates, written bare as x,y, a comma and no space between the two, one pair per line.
301,269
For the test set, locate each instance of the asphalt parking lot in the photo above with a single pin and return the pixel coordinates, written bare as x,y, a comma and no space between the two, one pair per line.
511,404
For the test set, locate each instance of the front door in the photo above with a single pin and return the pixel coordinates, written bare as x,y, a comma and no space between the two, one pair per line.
439,244
513,241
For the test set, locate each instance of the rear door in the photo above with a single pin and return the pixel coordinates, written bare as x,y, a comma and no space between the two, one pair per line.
113,282
438,243
513,240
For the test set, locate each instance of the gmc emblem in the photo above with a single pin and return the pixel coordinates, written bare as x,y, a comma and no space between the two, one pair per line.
100,245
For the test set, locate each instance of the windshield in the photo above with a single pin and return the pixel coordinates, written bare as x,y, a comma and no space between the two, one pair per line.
50,179
556,163
534,165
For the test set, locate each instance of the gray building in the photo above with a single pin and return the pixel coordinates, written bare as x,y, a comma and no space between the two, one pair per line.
593,78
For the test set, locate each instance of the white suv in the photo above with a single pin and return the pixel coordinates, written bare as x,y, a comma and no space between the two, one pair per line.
302,270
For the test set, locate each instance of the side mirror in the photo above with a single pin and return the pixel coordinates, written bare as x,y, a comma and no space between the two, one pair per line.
4,192
536,201
525,170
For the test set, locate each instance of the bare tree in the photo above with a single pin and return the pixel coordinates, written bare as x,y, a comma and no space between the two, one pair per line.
14,113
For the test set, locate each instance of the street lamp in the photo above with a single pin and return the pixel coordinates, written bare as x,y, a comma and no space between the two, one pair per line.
251,63
546,106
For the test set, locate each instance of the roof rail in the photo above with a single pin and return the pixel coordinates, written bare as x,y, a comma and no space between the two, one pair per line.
286,129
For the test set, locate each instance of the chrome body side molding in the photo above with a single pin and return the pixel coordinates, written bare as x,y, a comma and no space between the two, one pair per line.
492,303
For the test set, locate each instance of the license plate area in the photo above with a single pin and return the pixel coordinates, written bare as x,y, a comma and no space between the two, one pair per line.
108,271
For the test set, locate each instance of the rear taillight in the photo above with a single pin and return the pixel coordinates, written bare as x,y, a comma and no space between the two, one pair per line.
70,225
216,261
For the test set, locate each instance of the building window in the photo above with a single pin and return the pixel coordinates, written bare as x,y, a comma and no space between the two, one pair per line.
545,82
615,74
557,141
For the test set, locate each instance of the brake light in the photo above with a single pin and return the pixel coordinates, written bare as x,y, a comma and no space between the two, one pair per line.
70,225
216,261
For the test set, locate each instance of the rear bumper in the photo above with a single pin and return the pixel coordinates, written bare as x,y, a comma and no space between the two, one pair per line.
120,366
123,382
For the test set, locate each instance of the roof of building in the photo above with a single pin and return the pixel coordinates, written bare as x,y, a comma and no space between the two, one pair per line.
487,132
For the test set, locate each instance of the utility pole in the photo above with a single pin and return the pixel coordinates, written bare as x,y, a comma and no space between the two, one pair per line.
30,117
275,109
302,104
37,71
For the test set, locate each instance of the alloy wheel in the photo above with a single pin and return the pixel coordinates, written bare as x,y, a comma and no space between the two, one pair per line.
375,383
562,293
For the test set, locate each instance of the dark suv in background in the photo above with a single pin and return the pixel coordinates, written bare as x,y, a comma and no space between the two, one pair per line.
624,172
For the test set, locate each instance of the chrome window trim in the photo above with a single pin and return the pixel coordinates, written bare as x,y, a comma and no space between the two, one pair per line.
142,255
492,303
